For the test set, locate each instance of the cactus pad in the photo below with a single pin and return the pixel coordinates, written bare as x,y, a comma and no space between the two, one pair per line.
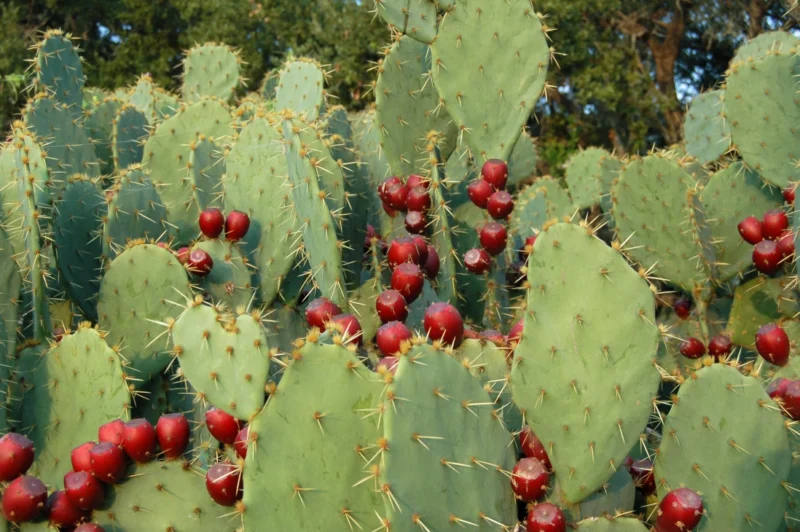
207,167
229,280
756,303
522,163
706,129
615,524
59,71
211,70
415,18
143,97
301,88
766,44
130,134
589,175
99,124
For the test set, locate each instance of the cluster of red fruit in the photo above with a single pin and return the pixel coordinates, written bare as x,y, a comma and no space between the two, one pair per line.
212,222
786,392
772,239
93,466
224,479
411,197
487,192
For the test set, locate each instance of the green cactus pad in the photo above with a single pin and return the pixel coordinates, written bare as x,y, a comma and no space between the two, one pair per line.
589,175
207,168
731,195
10,286
766,44
93,96
539,203
59,71
75,387
134,212
301,88
224,357
522,163
247,110
616,495
408,108
583,371
166,104
143,289
706,129
229,279
415,18
725,439
756,303
490,62
211,70
143,97
761,101
167,155
99,124
614,524
130,133
326,406
269,86
76,232
167,495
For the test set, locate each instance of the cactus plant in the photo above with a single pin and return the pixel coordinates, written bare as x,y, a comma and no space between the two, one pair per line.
301,88
211,70
415,18
99,125
706,129
129,135
59,72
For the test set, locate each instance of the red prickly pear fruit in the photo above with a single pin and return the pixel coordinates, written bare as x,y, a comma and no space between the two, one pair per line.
391,306
431,265
200,263
173,434
422,248
16,456
58,333
529,479
532,447
383,187
240,443
774,224
767,257
388,210
479,192
83,490
777,387
236,226
24,499
750,230
183,255
720,346
140,440
500,205
682,308
786,243
444,323
415,222
477,261
62,512
390,338
387,365
527,249
642,473
693,348
223,426
418,199
162,245
545,517
108,462
790,397
415,181
772,343
349,327
320,311
469,334
496,337
81,458
495,172
112,432
679,511
789,192
396,196
89,527
224,484
493,237
212,222
403,249
407,279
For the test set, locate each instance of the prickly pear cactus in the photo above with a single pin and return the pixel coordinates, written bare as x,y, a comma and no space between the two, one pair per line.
99,125
766,44
489,64
726,439
589,175
10,286
583,371
131,130
522,163
301,88
611,524
59,72
415,18
616,495
207,169
229,281
706,129
543,201
758,302
143,97
211,70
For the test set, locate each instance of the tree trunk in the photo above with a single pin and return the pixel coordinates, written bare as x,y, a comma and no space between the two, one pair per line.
756,11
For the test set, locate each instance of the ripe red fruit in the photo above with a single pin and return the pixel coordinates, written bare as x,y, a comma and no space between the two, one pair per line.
774,224
786,243
211,222
387,364
112,432
532,447
479,192
679,511
496,337
415,181
788,193
84,491
477,261
418,199
395,196
545,517
24,499
108,462
642,473
495,172
391,306
750,230
173,434
62,512
693,348
236,225
772,343
140,440
682,307
16,456
240,443
777,387
349,327
89,527
200,263
403,249
80,457
223,482
415,222
720,346
320,311
388,210
223,426
443,322
493,237
431,266
529,479
383,187
500,205
407,279
790,397
767,257
183,255
390,337
422,248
